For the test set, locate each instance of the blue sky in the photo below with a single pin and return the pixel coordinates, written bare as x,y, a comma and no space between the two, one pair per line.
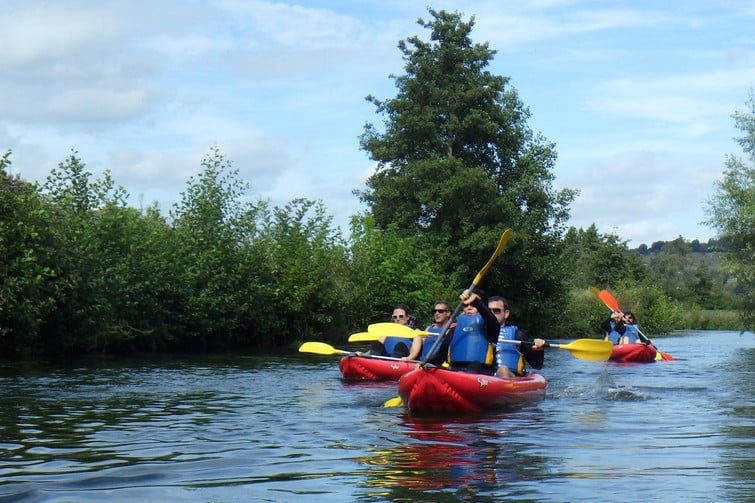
637,95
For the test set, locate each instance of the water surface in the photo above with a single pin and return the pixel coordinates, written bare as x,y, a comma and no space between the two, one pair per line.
233,429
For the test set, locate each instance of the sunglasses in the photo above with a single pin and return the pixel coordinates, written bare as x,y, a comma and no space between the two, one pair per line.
441,310
497,310
398,317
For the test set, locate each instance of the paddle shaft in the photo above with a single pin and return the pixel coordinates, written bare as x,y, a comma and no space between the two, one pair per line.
476,281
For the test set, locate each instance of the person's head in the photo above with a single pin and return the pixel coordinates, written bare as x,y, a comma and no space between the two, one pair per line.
441,312
499,307
400,314
629,318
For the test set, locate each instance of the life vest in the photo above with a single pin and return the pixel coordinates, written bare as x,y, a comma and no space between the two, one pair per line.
429,341
468,343
613,335
507,354
390,344
632,334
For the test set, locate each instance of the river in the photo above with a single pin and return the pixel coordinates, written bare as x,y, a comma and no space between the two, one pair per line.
242,428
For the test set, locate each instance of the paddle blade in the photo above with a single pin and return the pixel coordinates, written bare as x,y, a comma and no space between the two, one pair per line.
609,300
320,348
589,349
393,330
394,402
363,337
498,249
663,356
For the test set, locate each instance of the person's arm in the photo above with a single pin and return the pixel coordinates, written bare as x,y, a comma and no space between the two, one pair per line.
606,325
534,356
415,350
492,326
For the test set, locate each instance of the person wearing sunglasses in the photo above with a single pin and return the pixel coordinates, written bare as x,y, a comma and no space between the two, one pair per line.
631,332
421,346
511,358
471,346
614,327
396,347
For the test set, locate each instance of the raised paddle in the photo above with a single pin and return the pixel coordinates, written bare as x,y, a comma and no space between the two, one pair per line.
321,348
476,281
611,303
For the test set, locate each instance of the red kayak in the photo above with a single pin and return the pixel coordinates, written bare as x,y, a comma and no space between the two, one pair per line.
633,353
372,368
435,389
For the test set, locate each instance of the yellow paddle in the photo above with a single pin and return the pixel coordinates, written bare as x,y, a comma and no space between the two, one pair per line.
378,330
321,348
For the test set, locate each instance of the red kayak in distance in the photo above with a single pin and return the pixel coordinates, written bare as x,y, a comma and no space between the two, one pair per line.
430,389
365,368
633,353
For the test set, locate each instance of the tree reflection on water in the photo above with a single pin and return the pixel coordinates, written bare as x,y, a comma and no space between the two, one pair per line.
461,460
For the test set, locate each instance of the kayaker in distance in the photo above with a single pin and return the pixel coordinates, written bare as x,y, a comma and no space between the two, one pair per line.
472,344
614,327
421,346
510,358
631,333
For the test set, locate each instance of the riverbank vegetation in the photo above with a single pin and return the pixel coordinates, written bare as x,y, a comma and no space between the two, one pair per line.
85,273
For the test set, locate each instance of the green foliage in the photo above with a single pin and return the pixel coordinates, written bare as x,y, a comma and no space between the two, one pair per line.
732,211
389,269
599,259
308,260
25,262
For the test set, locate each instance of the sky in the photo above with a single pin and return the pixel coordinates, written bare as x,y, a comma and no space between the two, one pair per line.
636,95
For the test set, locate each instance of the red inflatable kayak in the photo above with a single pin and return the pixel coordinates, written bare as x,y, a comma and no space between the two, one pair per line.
636,353
372,368
435,389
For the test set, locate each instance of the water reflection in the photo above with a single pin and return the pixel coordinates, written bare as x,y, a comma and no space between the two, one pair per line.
738,434
466,460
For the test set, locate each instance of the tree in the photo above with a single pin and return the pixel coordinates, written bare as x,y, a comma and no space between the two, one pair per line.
732,211
25,263
457,163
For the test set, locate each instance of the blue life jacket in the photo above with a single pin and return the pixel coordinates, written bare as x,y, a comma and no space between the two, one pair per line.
390,344
632,334
429,341
468,343
507,354
613,335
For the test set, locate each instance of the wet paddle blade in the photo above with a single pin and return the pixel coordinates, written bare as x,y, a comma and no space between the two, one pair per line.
394,402
393,330
588,349
363,337
320,348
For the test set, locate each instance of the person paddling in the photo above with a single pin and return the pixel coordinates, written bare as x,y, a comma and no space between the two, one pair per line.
511,358
472,344
396,347
421,346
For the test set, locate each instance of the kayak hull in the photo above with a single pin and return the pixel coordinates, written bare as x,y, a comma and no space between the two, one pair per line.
365,368
633,353
437,390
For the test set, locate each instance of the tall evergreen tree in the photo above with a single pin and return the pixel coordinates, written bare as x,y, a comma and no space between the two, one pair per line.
457,163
